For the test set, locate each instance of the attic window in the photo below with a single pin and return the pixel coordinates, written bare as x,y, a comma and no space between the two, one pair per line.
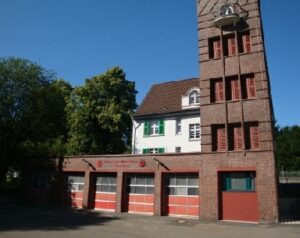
194,97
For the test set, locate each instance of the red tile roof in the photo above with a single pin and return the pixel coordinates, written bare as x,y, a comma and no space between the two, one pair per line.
165,97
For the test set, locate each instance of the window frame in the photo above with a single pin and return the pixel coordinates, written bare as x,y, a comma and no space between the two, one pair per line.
157,150
178,126
249,178
132,186
177,149
195,129
194,97
74,186
112,186
187,186
157,126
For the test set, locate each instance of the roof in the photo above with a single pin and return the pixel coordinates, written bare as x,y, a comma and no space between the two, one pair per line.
165,97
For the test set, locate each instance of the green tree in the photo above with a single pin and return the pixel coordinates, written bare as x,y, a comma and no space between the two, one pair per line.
99,114
288,148
32,116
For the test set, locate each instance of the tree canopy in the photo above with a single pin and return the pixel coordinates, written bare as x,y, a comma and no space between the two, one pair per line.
32,114
99,114
288,148
43,117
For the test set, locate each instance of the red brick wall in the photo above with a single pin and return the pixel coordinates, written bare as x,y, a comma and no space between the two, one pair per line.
258,110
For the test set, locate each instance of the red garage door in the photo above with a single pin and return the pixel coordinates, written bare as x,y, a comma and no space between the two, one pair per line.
105,192
181,195
139,195
73,193
238,197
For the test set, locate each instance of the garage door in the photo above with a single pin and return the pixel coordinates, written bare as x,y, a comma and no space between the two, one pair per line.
104,188
139,193
73,194
238,197
181,195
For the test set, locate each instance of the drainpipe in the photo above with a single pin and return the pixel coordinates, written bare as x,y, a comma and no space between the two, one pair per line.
134,134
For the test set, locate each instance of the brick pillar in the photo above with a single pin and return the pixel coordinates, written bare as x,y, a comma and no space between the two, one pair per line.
120,195
158,193
86,190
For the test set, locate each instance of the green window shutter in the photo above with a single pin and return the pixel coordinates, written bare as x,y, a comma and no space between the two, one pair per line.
145,151
248,182
146,128
161,150
161,129
228,182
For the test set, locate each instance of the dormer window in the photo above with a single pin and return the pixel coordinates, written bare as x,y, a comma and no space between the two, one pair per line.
194,97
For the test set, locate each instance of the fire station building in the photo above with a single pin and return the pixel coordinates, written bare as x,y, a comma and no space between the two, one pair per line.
204,148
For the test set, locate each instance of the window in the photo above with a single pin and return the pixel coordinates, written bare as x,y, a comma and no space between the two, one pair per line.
251,136
140,184
194,131
241,181
232,88
215,49
178,149
218,138
153,150
230,45
235,135
244,42
155,127
106,183
75,182
217,90
194,97
248,86
232,49
178,126
182,184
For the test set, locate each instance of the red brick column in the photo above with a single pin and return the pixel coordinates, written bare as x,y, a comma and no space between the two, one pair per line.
120,195
86,190
158,193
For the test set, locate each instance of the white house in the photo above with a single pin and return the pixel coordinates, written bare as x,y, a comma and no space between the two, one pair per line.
168,120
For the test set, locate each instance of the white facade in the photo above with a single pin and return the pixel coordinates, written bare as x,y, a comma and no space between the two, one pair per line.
170,139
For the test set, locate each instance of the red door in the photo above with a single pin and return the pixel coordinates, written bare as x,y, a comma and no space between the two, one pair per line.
73,193
238,197
139,193
181,195
104,190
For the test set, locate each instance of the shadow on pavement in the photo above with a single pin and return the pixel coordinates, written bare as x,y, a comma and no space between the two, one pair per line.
19,217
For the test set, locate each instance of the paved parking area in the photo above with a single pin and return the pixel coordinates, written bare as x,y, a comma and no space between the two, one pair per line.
46,222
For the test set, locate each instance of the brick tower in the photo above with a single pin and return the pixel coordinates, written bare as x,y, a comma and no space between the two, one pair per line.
238,169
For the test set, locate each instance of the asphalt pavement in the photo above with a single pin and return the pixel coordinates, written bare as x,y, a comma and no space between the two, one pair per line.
18,221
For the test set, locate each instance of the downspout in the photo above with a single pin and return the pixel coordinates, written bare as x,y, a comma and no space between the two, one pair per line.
134,134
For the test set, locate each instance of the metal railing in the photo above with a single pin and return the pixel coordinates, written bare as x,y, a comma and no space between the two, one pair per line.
289,174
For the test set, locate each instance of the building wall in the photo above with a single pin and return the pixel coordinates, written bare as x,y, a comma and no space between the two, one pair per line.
170,139
208,166
241,111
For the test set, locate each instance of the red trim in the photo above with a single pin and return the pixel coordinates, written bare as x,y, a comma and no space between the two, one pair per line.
247,43
221,139
217,48
232,46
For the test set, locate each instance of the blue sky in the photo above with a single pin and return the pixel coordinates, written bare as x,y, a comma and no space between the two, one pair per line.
152,40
